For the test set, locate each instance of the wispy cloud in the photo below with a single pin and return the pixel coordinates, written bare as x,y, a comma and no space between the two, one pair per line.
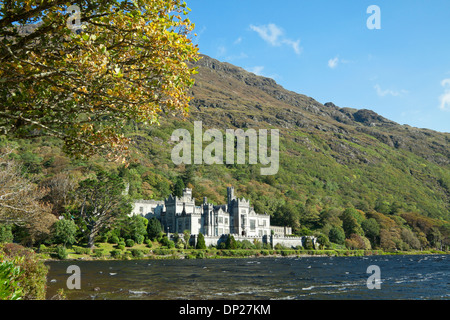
238,40
256,70
274,36
445,97
388,92
333,63
221,51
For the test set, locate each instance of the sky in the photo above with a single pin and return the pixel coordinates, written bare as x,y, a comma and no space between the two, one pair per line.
393,59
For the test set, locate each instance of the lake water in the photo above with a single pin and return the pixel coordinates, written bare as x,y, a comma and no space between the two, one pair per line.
402,277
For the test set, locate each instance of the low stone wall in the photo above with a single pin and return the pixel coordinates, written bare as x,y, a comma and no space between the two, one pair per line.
289,242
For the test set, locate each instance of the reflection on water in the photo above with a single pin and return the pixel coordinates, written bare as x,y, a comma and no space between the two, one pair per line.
402,277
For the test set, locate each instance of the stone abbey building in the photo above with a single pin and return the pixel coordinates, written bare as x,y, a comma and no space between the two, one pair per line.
235,217
178,214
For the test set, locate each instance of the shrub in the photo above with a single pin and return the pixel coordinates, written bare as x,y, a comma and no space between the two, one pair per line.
279,246
115,253
126,255
200,255
149,243
230,242
81,250
64,232
201,242
61,252
167,242
6,233
139,239
221,245
44,249
246,244
129,243
162,252
121,246
114,240
136,253
10,273
98,253
32,278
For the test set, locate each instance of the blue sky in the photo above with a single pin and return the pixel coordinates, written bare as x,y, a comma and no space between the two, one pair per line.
325,50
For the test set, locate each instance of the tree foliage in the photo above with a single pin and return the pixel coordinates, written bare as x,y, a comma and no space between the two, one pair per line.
20,200
101,202
126,60
154,228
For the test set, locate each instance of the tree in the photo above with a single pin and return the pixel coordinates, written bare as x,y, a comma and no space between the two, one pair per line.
178,187
230,243
154,228
323,240
357,242
309,214
288,215
337,235
21,201
81,75
64,232
371,230
135,228
60,190
101,203
186,237
200,242
350,223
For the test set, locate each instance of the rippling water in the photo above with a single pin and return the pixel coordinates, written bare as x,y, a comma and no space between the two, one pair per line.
402,277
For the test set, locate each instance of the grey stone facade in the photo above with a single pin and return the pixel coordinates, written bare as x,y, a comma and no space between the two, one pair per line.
236,217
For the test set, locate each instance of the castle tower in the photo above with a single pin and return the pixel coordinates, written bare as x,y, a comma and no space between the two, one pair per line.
230,195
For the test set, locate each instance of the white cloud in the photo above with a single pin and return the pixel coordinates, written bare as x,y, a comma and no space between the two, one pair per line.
383,93
274,35
269,33
445,97
294,44
445,83
256,70
238,40
332,63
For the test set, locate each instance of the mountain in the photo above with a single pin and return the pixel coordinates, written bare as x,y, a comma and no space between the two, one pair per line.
224,93
333,161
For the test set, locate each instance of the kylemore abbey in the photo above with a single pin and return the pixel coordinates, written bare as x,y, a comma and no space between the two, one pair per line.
215,222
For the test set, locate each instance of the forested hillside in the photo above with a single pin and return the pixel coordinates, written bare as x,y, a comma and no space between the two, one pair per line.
351,175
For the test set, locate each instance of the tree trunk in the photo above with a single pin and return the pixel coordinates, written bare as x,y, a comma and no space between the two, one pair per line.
92,234
91,240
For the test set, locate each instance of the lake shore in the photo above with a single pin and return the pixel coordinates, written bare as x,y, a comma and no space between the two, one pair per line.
181,254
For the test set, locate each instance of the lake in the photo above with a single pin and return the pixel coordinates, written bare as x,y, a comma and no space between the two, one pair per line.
298,278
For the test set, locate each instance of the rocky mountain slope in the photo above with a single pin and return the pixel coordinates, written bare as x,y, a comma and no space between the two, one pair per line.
356,156
225,94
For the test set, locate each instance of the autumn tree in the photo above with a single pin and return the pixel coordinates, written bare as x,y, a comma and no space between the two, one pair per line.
60,191
80,72
102,202
21,201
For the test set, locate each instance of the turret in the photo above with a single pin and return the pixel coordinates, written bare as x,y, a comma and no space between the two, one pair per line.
230,195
